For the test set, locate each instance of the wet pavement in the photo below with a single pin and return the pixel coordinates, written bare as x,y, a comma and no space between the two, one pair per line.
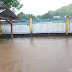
37,54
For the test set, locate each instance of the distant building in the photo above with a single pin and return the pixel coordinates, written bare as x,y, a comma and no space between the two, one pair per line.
56,17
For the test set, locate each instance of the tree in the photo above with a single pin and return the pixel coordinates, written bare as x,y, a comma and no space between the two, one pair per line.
47,15
30,16
12,3
25,16
21,15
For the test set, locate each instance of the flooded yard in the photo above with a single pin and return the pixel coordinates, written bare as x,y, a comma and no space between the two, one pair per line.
37,54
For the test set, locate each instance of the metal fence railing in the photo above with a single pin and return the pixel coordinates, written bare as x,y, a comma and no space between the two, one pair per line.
56,26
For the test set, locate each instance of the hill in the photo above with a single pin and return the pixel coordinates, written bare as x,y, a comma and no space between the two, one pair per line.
63,11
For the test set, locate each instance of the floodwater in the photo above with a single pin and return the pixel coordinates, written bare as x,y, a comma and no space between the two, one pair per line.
37,54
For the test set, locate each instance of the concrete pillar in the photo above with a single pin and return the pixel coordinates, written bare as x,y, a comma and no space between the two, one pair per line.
31,26
67,24
0,29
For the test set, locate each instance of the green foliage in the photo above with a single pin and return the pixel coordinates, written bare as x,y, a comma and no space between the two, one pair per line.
12,3
25,16
64,11
46,15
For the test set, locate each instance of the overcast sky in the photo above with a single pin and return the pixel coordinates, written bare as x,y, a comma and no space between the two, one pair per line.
39,7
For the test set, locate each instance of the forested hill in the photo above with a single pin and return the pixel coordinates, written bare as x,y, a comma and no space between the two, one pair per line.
63,11
66,10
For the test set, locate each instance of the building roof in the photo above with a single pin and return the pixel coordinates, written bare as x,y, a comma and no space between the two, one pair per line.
6,13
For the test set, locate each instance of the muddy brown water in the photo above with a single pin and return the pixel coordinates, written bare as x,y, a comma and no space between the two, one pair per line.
37,54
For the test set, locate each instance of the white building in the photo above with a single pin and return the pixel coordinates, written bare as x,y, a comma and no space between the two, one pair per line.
56,17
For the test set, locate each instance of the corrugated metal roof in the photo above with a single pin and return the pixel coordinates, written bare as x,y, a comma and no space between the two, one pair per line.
6,12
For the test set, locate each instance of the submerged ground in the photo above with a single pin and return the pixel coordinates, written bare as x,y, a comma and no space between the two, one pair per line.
37,54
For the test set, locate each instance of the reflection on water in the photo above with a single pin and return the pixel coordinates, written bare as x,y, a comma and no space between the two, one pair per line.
45,54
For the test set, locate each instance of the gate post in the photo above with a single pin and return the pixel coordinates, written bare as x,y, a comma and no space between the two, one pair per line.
31,26
67,25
